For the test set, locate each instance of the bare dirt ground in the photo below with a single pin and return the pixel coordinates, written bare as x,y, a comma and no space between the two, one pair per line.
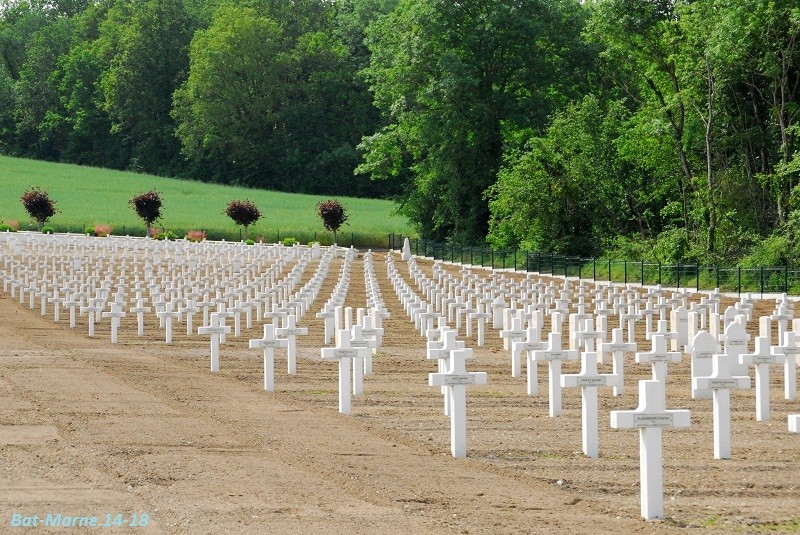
92,428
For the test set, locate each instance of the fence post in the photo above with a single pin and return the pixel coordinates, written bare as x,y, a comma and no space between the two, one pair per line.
515,259
580,269
609,270
717,269
659,272
786,278
642,272
625,271
697,277
739,284
491,255
761,270
594,269
679,275
566,265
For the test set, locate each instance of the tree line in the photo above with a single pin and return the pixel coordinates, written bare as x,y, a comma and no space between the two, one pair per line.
662,129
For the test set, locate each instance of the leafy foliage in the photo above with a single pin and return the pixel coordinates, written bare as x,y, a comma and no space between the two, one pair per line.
243,213
332,213
38,204
147,206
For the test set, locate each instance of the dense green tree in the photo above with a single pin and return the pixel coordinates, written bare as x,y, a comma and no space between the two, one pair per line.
149,64
455,79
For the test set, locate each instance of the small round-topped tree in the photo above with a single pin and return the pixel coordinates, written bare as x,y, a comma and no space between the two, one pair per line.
333,215
148,207
243,213
39,205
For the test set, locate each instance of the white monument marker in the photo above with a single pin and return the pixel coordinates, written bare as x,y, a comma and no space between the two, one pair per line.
650,417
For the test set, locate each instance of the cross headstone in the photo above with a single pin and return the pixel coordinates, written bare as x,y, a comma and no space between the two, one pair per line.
659,357
456,379
790,350
721,382
553,355
761,358
216,330
115,315
515,334
291,332
268,343
139,310
650,417
168,314
617,349
589,380
344,354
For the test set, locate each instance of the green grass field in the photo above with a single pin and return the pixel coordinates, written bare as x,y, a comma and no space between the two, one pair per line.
86,196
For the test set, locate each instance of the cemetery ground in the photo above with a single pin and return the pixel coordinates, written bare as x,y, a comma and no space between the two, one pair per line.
91,428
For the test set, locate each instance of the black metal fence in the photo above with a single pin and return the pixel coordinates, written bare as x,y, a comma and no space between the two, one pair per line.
691,276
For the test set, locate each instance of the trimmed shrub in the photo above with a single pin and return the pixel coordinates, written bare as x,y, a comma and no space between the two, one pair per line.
289,241
244,213
147,206
39,205
48,230
333,215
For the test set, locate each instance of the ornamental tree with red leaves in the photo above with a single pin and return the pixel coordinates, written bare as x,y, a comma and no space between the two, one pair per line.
243,213
333,215
39,205
147,206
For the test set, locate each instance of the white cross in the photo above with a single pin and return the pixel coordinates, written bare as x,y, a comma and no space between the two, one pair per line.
358,341
456,380
650,417
617,349
94,308
515,334
589,380
216,330
721,382
761,358
659,357
291,331
115,315
268,343
790,350
440,351
168,315
139,310
344,354
531,343
553,355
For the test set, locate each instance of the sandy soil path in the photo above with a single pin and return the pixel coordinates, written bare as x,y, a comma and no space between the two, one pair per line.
90,428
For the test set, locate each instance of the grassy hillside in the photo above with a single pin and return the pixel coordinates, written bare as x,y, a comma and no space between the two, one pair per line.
86,196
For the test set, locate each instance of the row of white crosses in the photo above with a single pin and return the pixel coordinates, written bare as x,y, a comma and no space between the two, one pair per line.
242,278
651,415
121,258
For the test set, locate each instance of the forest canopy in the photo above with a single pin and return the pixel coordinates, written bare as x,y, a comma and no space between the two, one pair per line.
664,129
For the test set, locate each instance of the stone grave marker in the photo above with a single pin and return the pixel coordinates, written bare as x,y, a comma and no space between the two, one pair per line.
456,379
216,330
268,343
553,355
589,380
761,358
617,349
650,417
658,357
721,382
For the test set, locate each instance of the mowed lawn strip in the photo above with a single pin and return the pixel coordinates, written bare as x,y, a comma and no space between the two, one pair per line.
87,196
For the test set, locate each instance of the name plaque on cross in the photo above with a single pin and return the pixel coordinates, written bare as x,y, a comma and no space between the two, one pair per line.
616,347
653,420
722,383
591,381
450,380
736,342
703,354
